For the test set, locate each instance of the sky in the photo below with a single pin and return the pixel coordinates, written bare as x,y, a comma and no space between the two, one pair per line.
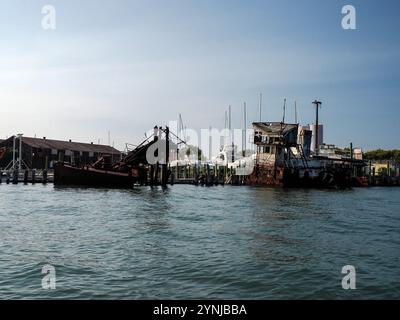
125,66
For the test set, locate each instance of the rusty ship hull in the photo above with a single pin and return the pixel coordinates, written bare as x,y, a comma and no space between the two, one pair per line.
130,170
275,176
68,175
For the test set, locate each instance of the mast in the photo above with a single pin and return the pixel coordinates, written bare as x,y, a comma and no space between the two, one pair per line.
179,133
20,152
167,145
260,105
284,110
226,127
209,144
295,112
179,125
181,129
244,130
230,133
13,161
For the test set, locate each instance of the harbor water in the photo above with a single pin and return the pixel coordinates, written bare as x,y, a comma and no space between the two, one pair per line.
188,242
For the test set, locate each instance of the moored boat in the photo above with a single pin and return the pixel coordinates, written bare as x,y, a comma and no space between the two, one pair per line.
281,161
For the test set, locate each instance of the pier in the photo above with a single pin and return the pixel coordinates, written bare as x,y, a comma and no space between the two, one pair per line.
26,176
202,174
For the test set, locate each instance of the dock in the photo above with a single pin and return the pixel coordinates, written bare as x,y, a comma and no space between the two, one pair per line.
200,174
31,176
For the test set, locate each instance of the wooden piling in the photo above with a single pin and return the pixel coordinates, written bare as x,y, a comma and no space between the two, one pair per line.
33,176
44,178
26,176
15,176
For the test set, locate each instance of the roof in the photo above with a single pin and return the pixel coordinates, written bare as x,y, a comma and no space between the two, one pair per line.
274,127
68,145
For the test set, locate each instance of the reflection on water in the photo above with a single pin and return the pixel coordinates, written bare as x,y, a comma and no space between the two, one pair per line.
194,242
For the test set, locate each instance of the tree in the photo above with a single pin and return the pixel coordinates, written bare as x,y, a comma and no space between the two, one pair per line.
383,155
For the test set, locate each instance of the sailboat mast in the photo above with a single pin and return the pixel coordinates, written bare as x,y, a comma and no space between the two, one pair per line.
284,110
230,133
244,130
226,128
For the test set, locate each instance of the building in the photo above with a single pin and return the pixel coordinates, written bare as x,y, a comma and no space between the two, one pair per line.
385,168
305,131
358,153
42,153
328,150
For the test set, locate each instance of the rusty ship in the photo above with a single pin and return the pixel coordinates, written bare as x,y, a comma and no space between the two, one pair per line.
283,158
134,168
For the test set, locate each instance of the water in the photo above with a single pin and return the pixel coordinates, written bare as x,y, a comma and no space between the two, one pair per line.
193,242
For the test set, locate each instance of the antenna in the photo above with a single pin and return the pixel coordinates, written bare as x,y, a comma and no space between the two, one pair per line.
295,112
260,105
284,110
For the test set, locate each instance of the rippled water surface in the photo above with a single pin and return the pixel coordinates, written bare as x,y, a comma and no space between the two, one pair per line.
193,242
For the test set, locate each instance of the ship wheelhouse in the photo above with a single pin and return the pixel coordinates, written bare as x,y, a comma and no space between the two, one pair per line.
273,141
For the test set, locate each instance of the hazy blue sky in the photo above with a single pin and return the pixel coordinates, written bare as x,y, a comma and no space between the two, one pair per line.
124,66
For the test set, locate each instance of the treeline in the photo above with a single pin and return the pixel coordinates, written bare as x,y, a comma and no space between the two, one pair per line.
393,155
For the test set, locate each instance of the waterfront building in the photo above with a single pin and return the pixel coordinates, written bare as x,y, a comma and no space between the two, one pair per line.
42,153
